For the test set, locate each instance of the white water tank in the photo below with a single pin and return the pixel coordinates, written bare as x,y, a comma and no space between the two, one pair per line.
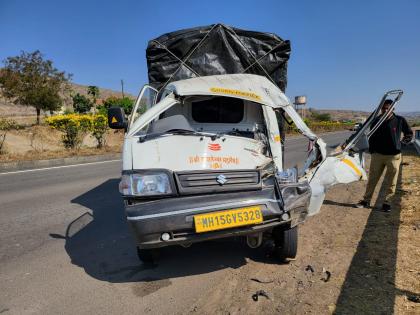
300,100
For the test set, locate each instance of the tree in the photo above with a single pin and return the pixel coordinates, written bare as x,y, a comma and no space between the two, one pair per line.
94,92
126,103
30,80
81,104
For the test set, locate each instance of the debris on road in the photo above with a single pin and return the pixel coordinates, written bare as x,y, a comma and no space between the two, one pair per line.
261,281
326,275
260,293
310,268
413,298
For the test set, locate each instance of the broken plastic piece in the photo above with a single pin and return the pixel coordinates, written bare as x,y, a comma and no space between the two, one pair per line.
310,268
327,275
261,281
413,298
260,293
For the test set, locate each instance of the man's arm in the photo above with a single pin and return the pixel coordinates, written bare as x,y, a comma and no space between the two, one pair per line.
408,133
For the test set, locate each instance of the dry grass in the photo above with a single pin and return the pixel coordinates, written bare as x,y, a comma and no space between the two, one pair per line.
45,155
42,142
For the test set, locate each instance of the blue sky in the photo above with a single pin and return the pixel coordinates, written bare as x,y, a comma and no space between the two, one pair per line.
345,54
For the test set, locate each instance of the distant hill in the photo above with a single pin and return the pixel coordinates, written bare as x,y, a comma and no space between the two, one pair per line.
343,114
354,115
410,114
413,118
103,93
8,109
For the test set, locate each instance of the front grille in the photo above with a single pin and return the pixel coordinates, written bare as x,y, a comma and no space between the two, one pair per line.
199,182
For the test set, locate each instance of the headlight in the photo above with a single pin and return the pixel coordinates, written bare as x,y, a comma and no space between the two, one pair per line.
145,184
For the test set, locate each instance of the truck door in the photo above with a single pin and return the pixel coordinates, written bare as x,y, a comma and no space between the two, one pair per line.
346,165
145,100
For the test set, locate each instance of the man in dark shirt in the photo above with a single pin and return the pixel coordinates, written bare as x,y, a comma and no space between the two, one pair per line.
385,149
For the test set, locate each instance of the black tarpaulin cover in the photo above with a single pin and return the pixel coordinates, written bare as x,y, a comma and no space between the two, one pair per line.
216,49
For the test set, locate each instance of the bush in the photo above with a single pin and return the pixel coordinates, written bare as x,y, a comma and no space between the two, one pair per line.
5,126
68,111
320,126
74,127
99,126
102,110
321,116
81,104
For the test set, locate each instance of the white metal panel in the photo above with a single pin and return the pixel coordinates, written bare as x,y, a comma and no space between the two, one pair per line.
183,153
137,103
126,154
245,86
273,136
151,114
300,124
342,169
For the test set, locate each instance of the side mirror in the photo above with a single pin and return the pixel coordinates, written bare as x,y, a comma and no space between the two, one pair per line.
116,118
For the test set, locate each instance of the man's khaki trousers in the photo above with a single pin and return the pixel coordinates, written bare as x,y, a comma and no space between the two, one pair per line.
378,163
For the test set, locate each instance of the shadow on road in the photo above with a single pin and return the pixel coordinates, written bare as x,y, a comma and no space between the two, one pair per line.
99,241
369,286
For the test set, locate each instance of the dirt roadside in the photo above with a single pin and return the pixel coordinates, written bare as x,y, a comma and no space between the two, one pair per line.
43,142
373,258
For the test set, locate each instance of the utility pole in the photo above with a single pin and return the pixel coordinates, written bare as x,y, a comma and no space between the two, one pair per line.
122,88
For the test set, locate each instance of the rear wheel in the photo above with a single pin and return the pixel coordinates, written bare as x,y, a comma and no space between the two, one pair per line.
286,242
148,255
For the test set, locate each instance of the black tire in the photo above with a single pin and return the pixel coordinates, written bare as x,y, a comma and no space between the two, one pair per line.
148,255
286,243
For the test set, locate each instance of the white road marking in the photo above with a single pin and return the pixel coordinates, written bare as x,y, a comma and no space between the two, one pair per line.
54,167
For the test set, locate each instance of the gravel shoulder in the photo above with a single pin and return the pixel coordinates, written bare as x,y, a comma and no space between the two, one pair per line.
373,258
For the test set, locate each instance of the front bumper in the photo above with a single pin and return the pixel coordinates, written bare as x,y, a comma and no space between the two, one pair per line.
149,219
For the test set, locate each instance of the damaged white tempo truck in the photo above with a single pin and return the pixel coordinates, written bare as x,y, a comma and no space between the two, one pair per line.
205,160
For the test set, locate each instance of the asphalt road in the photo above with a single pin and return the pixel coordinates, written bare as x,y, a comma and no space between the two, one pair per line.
65,247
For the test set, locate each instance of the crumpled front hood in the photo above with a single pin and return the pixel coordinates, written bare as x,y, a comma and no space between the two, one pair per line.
185,153
244,86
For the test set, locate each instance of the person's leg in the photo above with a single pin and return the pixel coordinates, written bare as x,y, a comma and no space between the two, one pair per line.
391,176
376,168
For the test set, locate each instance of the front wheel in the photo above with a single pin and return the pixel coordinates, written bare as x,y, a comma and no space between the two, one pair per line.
286,243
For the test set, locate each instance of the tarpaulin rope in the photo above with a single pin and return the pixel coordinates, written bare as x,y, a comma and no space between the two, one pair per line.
179,59
183,62
253,56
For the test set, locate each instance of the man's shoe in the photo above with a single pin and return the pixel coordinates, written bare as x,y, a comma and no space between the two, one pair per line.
362,204
386,207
